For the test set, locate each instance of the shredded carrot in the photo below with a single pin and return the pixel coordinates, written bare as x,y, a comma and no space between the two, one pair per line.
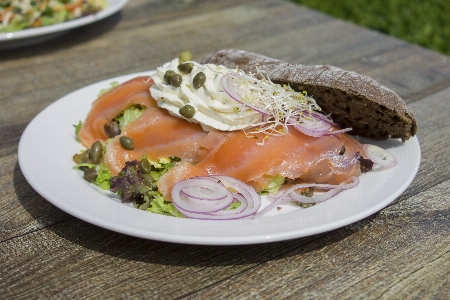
37,23
73,6
43,5
5,12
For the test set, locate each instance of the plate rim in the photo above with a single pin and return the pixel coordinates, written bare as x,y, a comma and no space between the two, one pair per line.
23,156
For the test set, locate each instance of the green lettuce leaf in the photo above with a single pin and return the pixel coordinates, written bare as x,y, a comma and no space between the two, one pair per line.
103,175
274,186
160,206
112,85
129,115
103,178
77,129
234,205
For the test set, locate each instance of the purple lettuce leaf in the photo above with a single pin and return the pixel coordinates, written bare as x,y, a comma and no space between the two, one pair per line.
129,184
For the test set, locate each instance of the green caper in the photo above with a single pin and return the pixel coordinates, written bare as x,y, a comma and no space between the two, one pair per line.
112,128
90,174
185,56
148,180
175,80
145,166
127,142
80,158
199,80
167,75
187,111
185,68
96,152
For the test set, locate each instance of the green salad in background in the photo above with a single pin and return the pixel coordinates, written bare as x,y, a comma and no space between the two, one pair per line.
22,14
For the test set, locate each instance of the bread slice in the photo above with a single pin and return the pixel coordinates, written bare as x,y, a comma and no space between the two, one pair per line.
353,100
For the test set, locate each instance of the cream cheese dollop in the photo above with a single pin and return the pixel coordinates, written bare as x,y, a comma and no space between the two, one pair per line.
214,108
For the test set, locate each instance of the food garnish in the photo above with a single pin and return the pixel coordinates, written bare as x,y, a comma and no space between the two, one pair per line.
279,105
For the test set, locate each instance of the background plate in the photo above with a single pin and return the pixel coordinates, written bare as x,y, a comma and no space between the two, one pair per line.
32,36
45,157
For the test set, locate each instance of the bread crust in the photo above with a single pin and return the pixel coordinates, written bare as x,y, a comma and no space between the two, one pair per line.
352,99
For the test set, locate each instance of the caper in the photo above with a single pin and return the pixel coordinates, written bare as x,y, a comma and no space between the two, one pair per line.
175,80
80,158
145,166
90,175
187,111
127,142
77,158
148,180
83,168
185,56
185,68
167,75
96,152
112,128
199,80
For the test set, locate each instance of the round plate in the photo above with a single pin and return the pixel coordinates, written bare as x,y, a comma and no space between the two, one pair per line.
45,157
36,35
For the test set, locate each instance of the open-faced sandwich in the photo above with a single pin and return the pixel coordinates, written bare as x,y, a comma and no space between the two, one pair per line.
205,140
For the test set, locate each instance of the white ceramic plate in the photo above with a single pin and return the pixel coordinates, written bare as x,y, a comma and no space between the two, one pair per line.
32,36
45,156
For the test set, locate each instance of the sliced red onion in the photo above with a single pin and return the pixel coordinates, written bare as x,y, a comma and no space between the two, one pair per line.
319,126
379,156
184,202
292,196
339,131
320,116
200,205
204,193
314,128
230,84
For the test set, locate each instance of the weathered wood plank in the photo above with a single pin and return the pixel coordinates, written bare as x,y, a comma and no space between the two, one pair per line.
76,257
386,256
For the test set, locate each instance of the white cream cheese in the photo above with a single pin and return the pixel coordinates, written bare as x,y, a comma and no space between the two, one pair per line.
214,108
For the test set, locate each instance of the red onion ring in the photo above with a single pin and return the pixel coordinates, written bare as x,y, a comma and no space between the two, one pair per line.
333,190
316,129
319,127
379,156
185,202
198,204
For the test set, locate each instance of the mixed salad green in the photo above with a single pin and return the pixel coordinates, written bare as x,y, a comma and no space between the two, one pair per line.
22,14
137,182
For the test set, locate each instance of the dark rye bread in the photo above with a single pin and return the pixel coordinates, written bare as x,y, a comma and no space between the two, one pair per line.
353,100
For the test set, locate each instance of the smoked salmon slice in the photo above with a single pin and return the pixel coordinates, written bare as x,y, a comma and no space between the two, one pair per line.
295,156
156,134
110,104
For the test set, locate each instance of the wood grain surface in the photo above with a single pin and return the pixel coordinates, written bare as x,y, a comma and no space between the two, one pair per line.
401,252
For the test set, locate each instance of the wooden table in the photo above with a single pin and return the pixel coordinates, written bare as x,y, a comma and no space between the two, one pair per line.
401,252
